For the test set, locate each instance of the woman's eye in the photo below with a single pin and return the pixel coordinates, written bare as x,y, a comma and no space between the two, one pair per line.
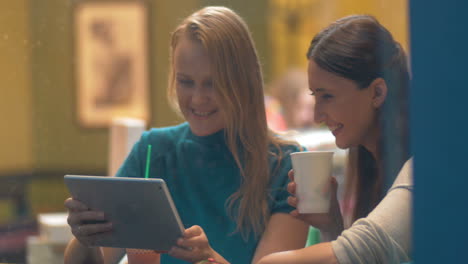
312,93
327,96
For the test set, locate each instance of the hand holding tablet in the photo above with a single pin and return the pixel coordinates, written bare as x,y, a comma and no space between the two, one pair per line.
140,212
85,223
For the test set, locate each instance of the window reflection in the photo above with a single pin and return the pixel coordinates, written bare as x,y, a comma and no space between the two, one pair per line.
42,140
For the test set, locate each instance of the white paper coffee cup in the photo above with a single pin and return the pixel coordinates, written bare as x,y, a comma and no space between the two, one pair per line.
312,172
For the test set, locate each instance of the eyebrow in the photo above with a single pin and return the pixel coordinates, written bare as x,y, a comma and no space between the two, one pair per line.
178,74
188,77
320,90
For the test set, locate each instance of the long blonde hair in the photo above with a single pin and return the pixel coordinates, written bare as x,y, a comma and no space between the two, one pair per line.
238,80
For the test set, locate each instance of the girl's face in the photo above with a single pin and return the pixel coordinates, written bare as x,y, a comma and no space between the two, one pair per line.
194,86
349,112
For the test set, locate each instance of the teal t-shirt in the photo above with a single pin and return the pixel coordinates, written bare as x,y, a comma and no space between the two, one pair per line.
201,174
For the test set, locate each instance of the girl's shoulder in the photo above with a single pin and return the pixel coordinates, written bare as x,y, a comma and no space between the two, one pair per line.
285,148
280,155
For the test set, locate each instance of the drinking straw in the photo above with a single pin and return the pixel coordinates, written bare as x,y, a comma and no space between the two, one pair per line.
148,159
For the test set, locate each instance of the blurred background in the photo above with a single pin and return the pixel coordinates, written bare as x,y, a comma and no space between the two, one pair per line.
48,129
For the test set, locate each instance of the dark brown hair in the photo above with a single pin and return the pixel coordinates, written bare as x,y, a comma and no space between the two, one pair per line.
360,49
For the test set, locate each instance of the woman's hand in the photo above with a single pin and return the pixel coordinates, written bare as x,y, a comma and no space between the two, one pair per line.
330,222
194,247
86,225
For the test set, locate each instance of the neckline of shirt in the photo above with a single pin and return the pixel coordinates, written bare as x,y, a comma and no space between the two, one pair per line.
215,138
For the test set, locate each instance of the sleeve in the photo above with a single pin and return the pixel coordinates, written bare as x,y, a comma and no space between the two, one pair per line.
385,235
280,180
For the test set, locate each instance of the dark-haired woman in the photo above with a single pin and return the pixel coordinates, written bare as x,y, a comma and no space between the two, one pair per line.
359,76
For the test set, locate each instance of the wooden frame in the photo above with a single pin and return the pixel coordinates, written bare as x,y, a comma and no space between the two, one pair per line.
111,54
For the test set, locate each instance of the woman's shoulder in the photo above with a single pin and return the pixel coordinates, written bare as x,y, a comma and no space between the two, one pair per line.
405,176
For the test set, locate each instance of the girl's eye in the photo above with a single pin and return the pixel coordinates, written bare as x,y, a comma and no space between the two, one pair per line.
312,93
209,84
327,96
185,82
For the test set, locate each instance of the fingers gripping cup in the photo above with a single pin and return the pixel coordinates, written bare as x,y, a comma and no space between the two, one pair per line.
312,172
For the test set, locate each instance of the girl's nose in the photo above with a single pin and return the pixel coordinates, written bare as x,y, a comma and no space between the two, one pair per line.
200,95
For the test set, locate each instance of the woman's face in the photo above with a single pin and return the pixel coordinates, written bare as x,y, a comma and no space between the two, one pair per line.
194,86
345,109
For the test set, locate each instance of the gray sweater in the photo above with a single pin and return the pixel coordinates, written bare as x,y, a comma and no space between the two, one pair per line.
384,236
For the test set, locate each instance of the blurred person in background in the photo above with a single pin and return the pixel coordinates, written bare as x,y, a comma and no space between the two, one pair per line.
289,104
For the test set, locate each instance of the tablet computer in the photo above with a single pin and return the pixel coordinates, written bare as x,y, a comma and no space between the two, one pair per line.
142,212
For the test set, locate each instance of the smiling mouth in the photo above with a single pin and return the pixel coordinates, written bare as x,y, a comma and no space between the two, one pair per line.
335,129
203,114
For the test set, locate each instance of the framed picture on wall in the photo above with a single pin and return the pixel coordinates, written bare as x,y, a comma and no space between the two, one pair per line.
111,67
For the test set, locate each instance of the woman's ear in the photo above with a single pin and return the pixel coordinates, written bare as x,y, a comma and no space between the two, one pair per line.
379,90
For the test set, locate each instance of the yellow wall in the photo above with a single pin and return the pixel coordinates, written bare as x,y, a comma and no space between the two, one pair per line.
38,124
39,102
15,100
289,48
60,142
255,14
165,17
392,14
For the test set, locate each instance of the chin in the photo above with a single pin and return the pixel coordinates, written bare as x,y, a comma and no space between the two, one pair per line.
342,145
201,132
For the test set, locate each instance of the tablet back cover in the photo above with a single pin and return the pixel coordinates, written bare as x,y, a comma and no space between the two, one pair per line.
141,210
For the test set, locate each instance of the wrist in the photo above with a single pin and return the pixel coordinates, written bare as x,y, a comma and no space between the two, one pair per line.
208,261
333,230
214,258
77,252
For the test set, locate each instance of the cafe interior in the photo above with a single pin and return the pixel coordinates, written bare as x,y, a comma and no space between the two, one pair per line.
81,80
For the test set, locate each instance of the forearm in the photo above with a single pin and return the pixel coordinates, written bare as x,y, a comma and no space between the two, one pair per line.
368,242
283,233
330,234
320,253
77,253
332,231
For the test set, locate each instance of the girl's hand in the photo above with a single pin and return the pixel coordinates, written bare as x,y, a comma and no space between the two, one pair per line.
330,222
86,225
194,246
